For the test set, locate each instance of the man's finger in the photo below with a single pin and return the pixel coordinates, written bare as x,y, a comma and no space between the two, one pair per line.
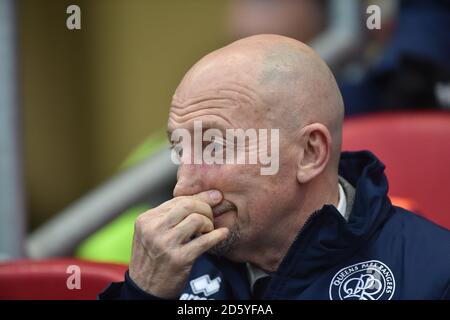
211,197
193,224
205,242
184,207
201,203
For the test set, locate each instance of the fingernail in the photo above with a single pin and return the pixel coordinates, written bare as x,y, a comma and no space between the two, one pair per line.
215,195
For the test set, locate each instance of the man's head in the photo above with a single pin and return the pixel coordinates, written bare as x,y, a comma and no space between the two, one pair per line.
264,82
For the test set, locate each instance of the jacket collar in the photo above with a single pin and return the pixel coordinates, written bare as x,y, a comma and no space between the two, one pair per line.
326,238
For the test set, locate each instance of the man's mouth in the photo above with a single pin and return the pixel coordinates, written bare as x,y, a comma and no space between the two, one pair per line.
222,208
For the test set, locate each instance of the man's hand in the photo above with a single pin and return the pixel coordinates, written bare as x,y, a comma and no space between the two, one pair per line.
163,252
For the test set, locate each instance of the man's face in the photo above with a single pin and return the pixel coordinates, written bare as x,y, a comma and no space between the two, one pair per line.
253,204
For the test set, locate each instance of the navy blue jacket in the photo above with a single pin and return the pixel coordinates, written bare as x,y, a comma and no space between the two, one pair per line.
381,252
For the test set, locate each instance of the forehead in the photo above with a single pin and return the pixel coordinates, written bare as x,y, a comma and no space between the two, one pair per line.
225,105
226,95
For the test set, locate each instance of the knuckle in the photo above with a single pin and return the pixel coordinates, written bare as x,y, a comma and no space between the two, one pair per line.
197,218
187,205
145,217
139,224
209,225
184,203
207,209
179,200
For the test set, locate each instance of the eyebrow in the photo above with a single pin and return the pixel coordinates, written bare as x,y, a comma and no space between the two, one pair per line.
205,126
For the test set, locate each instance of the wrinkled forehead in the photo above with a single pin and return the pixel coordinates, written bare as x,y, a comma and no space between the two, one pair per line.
228,100
237,96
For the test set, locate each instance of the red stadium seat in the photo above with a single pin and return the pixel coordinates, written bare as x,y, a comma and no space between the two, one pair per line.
415,147
47,279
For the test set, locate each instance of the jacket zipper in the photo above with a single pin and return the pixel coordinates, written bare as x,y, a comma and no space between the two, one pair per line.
305,225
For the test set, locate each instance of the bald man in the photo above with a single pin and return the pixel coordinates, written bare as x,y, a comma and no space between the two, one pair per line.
321,227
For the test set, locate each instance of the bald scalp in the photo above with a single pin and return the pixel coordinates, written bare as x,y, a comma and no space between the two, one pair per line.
300,88
288,80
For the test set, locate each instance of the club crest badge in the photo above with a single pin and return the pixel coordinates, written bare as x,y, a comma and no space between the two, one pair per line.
369,280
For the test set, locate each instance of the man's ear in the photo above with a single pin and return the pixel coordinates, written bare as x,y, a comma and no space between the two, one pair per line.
316,145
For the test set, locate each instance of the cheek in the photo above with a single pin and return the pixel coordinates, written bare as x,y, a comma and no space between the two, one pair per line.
235,178
271,197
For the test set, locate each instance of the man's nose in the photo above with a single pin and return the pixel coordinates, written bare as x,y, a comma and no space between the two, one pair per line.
190,180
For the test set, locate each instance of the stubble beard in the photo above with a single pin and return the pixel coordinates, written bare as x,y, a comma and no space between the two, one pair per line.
224,247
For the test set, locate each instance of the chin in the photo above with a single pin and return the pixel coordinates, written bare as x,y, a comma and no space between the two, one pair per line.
227,247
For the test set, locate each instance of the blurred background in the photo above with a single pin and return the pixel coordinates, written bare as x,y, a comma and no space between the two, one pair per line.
82,109
89,97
